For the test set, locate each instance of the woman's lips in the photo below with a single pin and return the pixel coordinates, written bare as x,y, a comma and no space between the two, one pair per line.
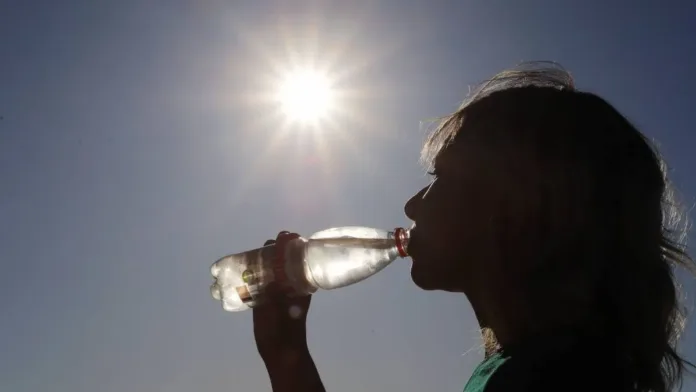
412,241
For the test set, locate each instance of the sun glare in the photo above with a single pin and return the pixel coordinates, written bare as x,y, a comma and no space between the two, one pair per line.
305,96
310,101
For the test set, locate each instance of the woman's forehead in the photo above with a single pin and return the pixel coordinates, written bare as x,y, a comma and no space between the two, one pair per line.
459,149
457,156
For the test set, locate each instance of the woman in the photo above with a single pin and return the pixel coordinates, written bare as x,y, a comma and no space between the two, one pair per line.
558,207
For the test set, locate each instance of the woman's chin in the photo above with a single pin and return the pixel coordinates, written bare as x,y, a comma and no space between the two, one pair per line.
421,279
432,279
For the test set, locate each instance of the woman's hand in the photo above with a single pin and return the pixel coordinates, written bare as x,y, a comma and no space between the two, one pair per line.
280,330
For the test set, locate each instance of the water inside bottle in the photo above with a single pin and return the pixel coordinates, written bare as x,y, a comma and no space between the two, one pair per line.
330,259
339,262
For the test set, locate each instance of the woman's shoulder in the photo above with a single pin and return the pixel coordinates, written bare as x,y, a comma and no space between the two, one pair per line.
580,366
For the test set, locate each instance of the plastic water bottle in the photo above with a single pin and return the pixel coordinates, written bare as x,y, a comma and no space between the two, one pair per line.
328,260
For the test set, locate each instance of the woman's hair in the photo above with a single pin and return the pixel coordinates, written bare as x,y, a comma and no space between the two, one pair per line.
597,213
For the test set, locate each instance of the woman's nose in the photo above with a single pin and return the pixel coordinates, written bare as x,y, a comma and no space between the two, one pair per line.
411,207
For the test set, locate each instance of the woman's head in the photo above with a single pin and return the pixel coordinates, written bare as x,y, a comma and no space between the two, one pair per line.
549,204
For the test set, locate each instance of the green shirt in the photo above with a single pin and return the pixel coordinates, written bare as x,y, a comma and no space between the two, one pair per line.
558,363
483,372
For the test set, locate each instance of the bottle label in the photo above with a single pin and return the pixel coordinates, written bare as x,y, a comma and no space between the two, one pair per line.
244,294
249,277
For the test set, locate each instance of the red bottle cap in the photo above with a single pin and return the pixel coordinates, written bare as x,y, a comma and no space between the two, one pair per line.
401,238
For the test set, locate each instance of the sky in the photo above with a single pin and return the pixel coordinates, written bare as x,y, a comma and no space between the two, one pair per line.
138,145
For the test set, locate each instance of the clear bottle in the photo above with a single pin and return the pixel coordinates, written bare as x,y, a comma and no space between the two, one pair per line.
329,259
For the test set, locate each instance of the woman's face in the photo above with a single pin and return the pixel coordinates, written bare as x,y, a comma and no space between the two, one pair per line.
452,218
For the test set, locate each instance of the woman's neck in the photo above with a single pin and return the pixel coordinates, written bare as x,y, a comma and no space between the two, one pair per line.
503,322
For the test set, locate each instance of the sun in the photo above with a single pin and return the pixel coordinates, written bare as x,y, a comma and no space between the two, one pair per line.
305,96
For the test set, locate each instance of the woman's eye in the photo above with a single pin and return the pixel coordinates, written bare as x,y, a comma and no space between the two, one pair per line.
432,173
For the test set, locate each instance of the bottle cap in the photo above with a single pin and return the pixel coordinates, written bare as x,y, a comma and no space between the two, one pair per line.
401,238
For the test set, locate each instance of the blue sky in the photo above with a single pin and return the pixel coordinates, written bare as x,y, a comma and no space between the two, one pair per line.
134,151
